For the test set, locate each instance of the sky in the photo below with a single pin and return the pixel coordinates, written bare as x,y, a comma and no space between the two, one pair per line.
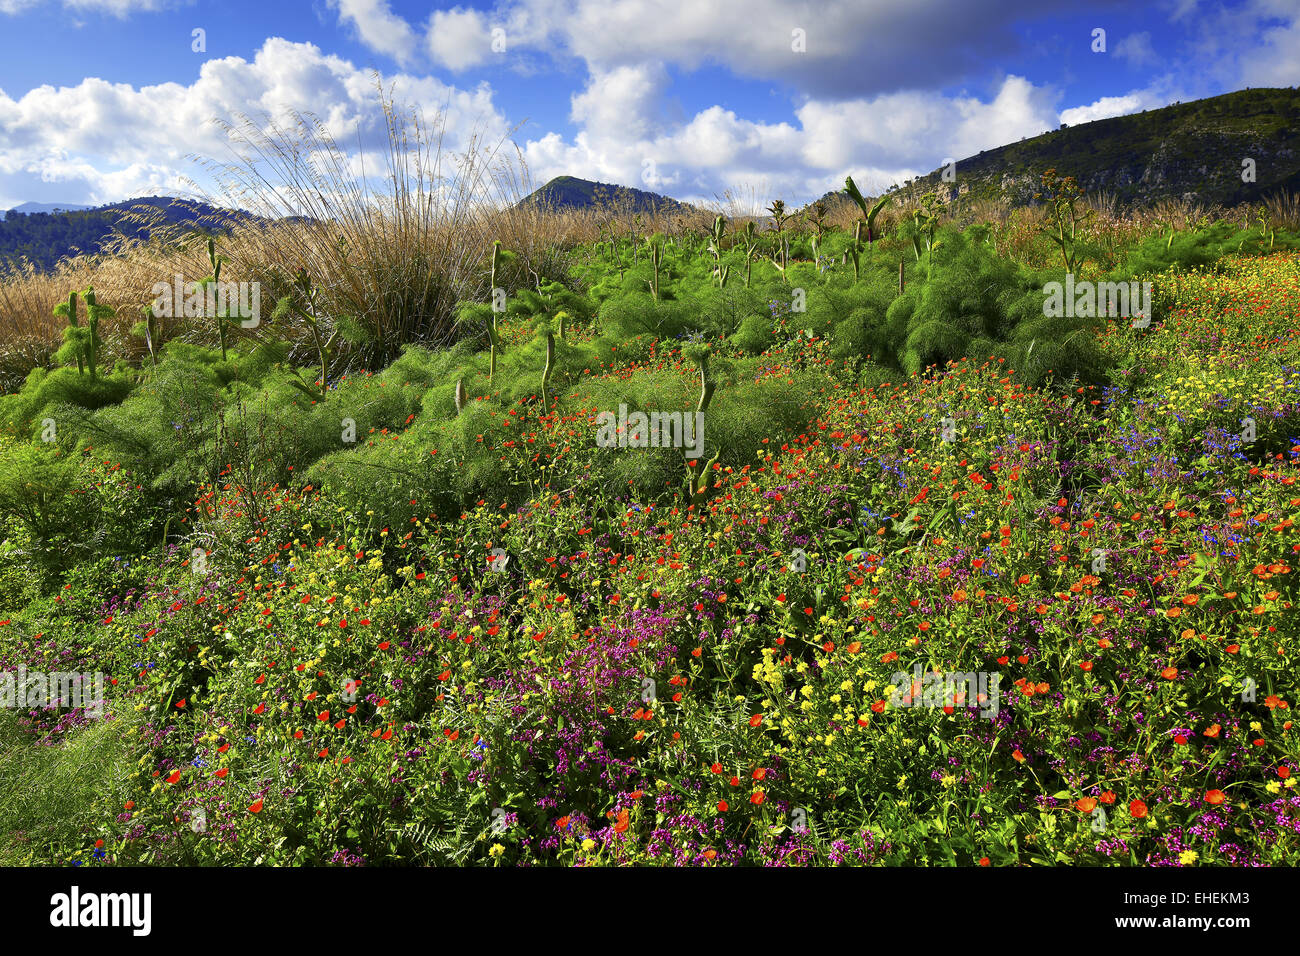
105,100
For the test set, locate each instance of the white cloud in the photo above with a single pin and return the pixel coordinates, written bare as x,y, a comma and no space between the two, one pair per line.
618,103
880,140
1109,106
378,27
458,39
1136,50
95,133
1277,60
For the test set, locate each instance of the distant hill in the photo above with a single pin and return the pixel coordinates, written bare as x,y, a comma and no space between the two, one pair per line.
569,192
29,207
1193,150
46,237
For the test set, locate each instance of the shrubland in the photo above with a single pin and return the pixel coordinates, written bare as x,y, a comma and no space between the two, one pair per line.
393,603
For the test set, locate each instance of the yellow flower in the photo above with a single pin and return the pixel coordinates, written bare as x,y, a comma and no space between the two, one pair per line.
588,844
1188,857
497,850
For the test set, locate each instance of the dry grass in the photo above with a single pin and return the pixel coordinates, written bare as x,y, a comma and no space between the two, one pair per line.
1282,210
392,260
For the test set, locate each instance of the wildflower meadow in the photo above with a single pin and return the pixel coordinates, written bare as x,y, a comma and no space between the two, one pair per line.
698,545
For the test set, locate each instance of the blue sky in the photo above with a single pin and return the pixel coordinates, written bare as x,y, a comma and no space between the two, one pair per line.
102,100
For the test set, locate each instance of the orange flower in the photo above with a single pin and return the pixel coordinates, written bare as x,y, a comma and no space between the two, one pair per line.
1137,809
1169,673
1214,797
256,808
722,806
755,720
1085,805
757,798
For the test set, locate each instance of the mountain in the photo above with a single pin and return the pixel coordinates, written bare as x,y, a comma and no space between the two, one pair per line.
1193,150
44,238
30,207
569,192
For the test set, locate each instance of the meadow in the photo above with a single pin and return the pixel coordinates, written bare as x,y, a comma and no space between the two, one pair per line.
366,590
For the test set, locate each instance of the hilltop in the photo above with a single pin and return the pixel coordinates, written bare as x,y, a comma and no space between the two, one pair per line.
570,192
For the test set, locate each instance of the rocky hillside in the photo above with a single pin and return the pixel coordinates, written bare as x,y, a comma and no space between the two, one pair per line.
1190,150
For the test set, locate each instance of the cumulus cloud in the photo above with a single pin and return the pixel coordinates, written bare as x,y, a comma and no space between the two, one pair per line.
822,48
93,135
879,140
1108,106
459,38
377,27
